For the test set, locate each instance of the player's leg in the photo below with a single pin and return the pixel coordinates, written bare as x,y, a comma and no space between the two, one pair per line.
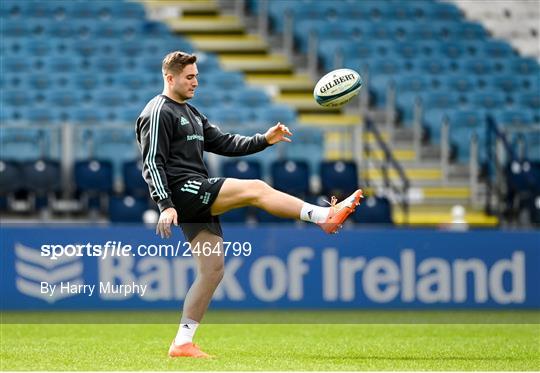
235,193
210,269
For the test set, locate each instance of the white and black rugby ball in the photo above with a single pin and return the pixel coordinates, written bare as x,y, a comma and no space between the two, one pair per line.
337,88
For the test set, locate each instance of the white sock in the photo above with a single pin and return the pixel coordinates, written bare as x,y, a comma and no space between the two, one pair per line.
186,331
314,214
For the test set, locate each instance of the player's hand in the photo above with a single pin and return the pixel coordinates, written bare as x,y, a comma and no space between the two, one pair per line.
166,217
277,133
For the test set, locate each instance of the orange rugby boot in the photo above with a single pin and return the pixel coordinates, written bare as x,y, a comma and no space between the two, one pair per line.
187,350
339,212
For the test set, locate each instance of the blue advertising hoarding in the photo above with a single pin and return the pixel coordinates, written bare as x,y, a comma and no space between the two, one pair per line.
271,267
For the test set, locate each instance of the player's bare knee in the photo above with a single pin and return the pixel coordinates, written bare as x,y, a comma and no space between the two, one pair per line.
214,274
257,191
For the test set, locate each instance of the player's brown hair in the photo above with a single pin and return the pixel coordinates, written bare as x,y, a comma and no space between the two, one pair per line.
175,62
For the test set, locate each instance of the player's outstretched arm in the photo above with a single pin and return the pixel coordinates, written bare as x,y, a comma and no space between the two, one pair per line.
277,134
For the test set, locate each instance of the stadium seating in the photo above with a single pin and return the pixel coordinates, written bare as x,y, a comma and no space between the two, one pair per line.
339,178
134,184
393,40
374,210
127,209
291,177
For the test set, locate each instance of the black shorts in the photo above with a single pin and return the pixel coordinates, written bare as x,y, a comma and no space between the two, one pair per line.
193,200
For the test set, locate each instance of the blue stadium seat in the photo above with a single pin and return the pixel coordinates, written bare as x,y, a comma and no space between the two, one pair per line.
504,117
10,115
128,114
60,65
452,49
59,29
459,82
479,66
498,49
530,83
10,177
124,29
206,62
16,65
359,50
307,140
243,169
408,50
291,176
63,98
127,209
206,97
22,143
374,210
534,209
252,98
110,97
525,66
223,79
123,81
467,119
42,176
442,11
384,66
435,66
270,115
508,83
378,86
15,98
116,144
88,115
470,31
530,100
488,100
83,10
30,9
441,100
41,115
339,178
127,10
15,28
133,180
93,176
400,11
429,48
224,115
432,122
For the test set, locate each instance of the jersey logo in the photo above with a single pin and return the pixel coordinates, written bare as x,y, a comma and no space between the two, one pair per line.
199,121
183,121
205,198
191,186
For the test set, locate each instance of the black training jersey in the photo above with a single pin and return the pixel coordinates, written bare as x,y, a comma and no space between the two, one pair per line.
172,137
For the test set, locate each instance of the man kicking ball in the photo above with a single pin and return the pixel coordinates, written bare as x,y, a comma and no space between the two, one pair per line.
172,136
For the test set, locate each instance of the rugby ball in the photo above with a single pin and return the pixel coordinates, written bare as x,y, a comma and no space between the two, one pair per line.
337,88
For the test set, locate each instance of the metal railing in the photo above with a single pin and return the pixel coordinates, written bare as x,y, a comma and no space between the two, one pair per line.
399,191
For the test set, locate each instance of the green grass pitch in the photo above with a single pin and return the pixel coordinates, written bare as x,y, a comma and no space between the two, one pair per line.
238,344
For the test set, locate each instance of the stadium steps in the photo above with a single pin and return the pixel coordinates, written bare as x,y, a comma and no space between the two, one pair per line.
260,63
216,25
229,43
434,215
281,82
200,7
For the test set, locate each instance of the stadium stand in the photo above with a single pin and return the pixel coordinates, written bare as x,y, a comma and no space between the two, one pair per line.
84,61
